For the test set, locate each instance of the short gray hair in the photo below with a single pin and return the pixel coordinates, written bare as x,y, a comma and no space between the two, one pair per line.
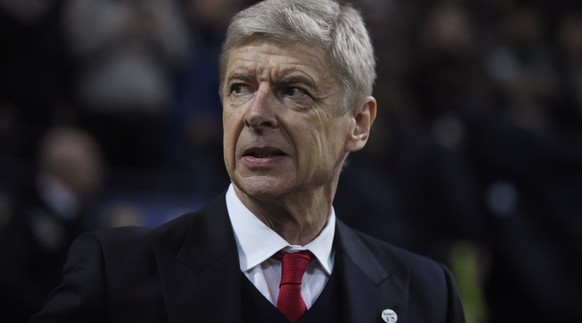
338,30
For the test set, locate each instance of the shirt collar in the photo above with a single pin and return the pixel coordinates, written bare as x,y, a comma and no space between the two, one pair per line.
256,242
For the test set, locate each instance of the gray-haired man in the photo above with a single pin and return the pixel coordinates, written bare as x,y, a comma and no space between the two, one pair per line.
296,85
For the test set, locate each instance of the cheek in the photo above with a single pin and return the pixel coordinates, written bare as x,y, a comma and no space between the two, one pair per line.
314,146
232,120
330,141
231,132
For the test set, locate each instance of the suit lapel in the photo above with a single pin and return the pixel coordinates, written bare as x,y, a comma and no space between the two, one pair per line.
367,287
200,277
201,280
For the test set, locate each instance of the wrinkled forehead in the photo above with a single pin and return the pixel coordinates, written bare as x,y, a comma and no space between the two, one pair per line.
292,48
277,54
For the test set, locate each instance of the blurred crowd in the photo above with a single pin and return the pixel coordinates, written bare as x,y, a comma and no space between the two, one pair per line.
110,115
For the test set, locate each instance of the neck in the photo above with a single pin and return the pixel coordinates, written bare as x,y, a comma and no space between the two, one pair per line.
298,218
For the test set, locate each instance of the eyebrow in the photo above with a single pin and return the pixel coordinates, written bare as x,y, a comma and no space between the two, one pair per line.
297,79
284,81
240,76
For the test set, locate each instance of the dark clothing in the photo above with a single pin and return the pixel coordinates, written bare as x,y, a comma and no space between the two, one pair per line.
257,309
187,270
33,250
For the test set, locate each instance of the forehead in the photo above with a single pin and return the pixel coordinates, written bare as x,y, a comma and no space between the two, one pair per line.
277,58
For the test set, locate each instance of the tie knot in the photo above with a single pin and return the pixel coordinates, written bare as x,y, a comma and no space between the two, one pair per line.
293,266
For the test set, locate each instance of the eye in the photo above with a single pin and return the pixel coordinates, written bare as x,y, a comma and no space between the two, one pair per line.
294,91
239,89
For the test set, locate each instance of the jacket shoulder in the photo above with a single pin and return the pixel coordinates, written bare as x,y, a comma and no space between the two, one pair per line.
430,283
389,252
142,237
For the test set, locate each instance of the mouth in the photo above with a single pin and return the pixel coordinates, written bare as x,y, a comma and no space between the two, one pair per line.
263,152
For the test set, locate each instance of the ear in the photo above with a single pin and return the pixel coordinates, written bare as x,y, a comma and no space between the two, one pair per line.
361,124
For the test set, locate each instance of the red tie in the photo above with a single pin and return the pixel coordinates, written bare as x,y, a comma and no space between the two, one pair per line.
290,301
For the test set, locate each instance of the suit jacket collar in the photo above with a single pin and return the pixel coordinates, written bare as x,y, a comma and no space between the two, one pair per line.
366,286
201,278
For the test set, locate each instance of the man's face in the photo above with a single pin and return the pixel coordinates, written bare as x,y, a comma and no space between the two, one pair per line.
285,130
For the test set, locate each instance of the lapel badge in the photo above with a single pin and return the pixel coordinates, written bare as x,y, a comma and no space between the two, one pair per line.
389,316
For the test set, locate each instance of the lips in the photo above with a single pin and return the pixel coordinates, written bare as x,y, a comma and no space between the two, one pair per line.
263,152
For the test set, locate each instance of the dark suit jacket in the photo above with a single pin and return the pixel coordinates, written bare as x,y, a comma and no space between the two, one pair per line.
187,270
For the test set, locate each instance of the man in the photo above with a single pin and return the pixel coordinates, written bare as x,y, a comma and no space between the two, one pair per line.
296,84
48,214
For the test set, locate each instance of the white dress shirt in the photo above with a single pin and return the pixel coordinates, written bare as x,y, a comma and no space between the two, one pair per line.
257,243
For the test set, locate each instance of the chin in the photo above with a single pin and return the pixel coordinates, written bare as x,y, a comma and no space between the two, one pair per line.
262,187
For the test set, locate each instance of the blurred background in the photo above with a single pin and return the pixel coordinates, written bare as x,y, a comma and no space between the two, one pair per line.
109,116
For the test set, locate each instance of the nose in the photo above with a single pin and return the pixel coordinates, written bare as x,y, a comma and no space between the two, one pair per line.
261,111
